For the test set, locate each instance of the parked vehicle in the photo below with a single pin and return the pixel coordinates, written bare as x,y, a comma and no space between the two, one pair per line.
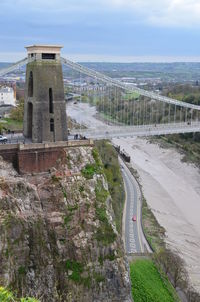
3,139
123,153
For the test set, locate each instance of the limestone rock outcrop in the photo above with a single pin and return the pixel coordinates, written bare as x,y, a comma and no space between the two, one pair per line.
58,240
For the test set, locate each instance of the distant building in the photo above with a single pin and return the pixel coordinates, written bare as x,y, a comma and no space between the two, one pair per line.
7,96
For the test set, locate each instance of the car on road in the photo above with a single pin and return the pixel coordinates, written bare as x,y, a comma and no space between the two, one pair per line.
134,218
3,139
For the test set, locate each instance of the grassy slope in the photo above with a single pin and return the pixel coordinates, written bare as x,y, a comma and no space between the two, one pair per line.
112,171
153,231
147,284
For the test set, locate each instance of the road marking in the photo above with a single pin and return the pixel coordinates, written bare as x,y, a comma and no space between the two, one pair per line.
138,205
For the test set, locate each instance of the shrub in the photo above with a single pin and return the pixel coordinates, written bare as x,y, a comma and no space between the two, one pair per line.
7,296
112,172
95,155
89,171
77,270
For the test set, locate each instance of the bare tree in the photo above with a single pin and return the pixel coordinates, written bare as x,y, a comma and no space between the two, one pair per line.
163,258
178,272
192,295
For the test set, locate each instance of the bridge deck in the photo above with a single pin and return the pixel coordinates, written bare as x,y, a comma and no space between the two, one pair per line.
144,130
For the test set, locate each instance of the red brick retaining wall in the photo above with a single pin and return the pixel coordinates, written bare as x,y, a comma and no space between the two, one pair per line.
36,158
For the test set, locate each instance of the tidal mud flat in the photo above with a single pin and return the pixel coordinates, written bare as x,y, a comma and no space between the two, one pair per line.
172,190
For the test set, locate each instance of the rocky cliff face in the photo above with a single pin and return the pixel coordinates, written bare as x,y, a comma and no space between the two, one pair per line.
58,240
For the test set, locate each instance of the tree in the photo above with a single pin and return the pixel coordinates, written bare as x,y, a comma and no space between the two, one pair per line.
193,296
17,113
1,128
178,271
173,265
163,258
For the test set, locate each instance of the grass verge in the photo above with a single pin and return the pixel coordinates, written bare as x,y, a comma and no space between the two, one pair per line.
148,284
13,125
154,233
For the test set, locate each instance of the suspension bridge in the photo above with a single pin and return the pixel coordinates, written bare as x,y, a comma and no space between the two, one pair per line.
124,109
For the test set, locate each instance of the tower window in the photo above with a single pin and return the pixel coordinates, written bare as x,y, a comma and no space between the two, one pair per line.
50,100
48,56
52,125
30,85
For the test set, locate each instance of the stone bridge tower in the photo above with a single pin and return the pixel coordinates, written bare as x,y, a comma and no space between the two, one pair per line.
44,106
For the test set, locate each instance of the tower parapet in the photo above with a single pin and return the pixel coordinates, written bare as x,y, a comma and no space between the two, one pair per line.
44,52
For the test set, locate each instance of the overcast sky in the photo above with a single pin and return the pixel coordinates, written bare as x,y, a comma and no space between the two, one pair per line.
103,30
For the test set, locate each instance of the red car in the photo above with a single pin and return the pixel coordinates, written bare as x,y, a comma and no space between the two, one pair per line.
134,218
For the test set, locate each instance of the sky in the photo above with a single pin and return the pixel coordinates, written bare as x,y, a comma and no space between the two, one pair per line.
103,30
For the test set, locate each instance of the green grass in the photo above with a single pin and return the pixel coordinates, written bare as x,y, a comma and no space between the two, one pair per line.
89,170
7,296
153,231
105,233
101,193
132,95
95,155
74,266
11,124
77,269
148,285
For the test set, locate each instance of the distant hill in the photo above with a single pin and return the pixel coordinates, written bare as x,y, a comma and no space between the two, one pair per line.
165,71
4,65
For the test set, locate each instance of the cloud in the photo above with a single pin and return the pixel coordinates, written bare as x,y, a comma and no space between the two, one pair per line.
179,13
107,27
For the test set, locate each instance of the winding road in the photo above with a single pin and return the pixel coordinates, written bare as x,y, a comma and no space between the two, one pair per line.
134,240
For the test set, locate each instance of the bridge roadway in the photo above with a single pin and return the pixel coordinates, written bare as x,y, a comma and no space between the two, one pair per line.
108,132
